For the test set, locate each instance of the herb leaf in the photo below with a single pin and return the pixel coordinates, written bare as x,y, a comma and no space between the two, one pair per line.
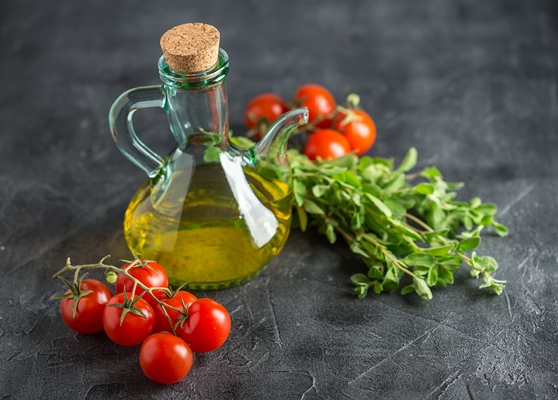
415,235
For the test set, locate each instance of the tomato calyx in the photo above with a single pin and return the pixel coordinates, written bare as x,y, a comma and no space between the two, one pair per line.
148,276
76,293
182,316
137,263
129,305
169,293
348,115
353,101
347,110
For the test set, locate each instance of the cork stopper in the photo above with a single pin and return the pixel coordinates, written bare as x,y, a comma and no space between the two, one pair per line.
192,47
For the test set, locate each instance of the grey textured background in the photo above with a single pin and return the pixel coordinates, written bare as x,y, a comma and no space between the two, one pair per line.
471,84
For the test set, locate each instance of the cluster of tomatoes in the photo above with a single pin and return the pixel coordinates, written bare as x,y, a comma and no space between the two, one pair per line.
334,130
169,325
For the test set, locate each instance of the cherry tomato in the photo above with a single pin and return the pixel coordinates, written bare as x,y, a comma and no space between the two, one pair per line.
207,327
264,108
359,129
150,273
161,322
88,318
326,144
134,328
318,100
165,358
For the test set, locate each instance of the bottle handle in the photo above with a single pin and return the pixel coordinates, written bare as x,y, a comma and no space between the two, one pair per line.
122,128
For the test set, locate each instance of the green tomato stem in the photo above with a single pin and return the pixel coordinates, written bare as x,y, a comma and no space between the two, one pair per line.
101,265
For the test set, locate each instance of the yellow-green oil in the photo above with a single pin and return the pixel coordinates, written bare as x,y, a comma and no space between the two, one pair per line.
199,234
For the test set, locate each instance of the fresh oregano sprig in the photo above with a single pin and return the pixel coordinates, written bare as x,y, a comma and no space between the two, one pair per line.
406,227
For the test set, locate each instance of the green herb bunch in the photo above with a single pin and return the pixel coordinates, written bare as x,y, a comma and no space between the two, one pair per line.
399,223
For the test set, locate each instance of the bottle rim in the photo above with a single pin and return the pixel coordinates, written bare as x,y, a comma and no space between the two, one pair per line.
210,76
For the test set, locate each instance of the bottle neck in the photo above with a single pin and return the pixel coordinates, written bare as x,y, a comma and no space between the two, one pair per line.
196,104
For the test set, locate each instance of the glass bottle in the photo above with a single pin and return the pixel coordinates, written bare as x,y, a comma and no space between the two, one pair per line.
211,213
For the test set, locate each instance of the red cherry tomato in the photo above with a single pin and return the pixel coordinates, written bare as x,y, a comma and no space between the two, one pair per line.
359,129
161,322
207,327
264,108
88,318
318,100
150,273
326,144
134,328
165,358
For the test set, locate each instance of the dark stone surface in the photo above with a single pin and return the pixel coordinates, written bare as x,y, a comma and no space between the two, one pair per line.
471,84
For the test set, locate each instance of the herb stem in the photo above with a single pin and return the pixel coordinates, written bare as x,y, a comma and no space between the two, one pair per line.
368,238
383,217
413,176
313,175
419,222
440,239
388,254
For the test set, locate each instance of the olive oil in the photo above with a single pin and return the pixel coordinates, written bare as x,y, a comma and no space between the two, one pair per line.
210,227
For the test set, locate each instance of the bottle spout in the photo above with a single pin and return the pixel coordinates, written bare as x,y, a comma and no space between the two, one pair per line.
277,135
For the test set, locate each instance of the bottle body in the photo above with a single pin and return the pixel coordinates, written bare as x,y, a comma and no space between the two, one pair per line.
201,233
212,214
